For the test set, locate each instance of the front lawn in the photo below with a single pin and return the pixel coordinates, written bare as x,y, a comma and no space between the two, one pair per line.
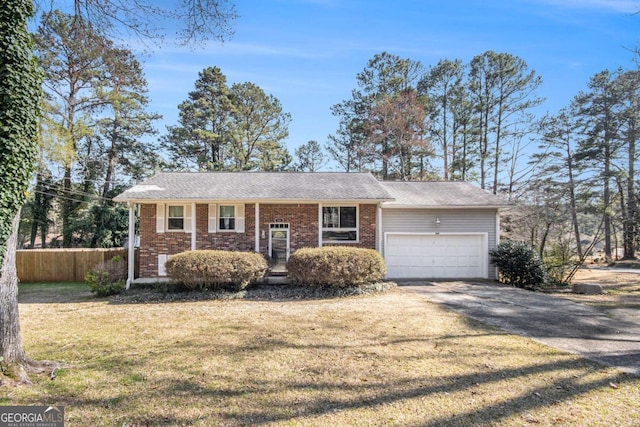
388,359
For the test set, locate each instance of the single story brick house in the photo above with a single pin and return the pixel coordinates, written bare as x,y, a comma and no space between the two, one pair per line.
422,229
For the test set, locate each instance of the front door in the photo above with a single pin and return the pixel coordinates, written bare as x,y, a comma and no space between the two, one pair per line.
279,244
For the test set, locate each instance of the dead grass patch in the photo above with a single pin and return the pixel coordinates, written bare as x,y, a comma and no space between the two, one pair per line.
621,297
388,359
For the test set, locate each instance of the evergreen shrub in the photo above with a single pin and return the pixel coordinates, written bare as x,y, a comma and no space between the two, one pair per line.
108,277
519,265
336,266
216,269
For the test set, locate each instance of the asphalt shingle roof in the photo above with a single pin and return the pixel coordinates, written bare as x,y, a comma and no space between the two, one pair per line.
439,194
257,186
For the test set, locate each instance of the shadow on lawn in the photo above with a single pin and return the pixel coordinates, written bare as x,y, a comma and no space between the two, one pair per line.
315,398
219,397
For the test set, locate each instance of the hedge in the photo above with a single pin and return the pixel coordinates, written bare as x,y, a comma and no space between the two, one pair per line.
336,266
215,269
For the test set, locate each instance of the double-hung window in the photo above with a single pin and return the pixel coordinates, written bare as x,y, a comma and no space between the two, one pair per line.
339,223
227,218
175,217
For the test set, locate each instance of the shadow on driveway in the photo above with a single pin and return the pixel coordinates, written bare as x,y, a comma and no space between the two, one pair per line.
553,321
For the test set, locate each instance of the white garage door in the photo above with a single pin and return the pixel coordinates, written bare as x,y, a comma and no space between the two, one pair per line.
435,256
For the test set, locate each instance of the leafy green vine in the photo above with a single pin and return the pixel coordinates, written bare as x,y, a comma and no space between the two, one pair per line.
20,93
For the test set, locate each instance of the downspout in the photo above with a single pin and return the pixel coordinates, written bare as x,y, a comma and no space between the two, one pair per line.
257,227
193,227
131,260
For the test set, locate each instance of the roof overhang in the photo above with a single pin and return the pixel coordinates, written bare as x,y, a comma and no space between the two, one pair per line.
253,201
440,207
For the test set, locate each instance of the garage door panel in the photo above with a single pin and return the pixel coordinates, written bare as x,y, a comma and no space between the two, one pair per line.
434,256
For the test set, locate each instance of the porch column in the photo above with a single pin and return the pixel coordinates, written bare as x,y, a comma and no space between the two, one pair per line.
257,227
131,257
193,226
319,225
379,228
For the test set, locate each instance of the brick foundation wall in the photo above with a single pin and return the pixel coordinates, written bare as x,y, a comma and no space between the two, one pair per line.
303,229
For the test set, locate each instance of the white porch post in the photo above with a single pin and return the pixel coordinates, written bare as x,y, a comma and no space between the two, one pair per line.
319,225
131,257
257,227
193,226
379,228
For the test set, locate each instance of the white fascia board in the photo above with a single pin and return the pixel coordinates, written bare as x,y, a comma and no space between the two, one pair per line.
438,207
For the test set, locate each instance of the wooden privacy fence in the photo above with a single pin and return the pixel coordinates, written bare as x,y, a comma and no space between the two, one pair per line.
62,265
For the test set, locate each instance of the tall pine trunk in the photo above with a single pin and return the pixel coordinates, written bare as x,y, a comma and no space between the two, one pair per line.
606,198
629,226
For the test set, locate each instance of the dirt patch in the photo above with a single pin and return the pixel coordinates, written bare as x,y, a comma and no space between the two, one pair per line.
621,297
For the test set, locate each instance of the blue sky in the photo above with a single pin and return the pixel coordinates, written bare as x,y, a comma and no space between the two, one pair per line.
307,52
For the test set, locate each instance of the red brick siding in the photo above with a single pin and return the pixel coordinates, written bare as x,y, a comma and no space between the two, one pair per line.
224,240
303,229
152,244
302,220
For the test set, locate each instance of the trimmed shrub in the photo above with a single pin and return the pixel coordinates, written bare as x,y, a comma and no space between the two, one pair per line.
519,265
336,266
215,269
107,278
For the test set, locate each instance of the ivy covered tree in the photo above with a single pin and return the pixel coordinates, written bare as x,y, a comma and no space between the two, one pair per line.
20,94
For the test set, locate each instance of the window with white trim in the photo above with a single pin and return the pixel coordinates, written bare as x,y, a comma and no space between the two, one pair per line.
227,218
339,224
175,217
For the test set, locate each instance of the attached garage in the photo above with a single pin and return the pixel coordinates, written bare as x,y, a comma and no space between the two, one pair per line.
432,255
435,230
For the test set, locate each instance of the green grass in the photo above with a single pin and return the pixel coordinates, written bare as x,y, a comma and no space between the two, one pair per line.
53,292
388,359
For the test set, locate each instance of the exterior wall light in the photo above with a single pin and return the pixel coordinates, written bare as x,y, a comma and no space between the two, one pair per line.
437,220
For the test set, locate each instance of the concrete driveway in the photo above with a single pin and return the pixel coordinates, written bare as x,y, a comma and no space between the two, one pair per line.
553,321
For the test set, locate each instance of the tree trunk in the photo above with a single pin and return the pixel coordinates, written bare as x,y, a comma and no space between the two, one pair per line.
630,231
15,364
14,360
111,166
607,203
67,209
572,201
445,145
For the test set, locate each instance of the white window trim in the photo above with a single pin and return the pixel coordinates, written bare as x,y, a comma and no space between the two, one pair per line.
187,219
214,217
234,217
357,227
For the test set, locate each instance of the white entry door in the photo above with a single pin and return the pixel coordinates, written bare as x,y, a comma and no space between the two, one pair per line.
456,256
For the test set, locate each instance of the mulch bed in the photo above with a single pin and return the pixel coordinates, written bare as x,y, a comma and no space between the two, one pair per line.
259,292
